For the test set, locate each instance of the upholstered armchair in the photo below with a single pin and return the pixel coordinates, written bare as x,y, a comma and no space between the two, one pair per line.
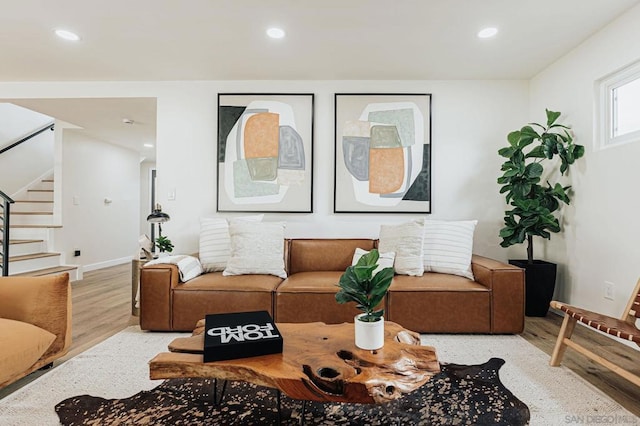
35,323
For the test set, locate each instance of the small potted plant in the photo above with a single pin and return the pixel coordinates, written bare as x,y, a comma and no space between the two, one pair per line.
533,201
164,244
361,285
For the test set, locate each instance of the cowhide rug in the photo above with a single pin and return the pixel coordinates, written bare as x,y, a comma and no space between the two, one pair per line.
459,395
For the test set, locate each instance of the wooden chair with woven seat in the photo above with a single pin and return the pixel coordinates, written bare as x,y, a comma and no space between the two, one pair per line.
623,328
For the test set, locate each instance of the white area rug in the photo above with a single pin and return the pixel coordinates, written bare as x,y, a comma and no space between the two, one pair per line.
117,368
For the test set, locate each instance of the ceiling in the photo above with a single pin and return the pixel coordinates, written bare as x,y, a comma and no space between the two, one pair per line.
157,40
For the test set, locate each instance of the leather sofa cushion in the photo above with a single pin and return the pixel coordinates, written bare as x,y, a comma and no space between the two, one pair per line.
324,254
433,281
214,293
239,283
22,345
311,282
310,297
441,311
454,304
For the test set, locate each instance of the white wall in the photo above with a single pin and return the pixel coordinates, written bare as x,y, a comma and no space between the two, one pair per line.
28,161
16,122
601,227
145,195
92,171
470,123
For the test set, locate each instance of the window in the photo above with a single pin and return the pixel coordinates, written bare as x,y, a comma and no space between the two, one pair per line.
626,108
619,107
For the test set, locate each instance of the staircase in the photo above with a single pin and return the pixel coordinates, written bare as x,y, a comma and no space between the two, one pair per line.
32,225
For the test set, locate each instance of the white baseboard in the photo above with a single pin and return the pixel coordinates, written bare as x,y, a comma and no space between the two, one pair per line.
106,264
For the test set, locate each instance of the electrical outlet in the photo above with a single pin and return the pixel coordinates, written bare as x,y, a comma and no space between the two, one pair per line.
608,290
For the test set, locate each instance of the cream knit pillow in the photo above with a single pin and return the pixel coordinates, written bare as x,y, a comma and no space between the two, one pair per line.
256,248
405,240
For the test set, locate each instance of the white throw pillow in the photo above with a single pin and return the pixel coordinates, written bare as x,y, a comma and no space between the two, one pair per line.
256,248
215,243
405,240
448,246
384,261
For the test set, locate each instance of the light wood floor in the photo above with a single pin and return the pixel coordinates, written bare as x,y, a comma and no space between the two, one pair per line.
102,307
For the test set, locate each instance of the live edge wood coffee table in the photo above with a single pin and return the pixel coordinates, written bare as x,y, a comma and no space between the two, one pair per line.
319,362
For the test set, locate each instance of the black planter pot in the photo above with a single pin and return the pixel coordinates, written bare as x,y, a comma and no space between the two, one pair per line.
540,282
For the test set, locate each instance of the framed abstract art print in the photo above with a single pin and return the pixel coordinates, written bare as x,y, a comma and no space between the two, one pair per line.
382,153
265,152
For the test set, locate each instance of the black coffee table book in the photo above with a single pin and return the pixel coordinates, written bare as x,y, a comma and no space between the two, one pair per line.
240,335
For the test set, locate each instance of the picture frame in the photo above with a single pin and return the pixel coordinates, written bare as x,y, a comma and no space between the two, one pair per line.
265,152
382,153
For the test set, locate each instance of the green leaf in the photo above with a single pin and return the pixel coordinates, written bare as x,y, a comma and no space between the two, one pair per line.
547,149
514,138
578,151
552,116
510,173
529,132
506,232
533,170
507,152
536,152
560,192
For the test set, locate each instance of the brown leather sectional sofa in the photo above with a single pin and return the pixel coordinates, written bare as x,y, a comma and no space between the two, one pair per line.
433,303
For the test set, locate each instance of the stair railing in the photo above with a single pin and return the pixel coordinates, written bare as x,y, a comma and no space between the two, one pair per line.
6,202
6,210
49,126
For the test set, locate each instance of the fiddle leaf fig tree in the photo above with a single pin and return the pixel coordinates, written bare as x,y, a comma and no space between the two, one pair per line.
532,202
361,285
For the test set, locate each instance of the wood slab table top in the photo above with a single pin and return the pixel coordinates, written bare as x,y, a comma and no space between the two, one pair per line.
319,362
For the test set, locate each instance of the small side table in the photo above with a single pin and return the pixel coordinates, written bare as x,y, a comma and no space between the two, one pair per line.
136,265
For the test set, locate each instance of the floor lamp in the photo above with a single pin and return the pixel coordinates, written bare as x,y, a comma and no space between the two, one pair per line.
159,217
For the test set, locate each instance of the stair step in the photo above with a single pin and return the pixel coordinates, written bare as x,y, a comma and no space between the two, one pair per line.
11,242
32,206
32,213
40,194
32,262
31,256
46,271
20,247
47,180
32,226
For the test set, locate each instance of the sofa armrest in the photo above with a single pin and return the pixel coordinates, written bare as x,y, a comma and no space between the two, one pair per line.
506,283
42,301
156,284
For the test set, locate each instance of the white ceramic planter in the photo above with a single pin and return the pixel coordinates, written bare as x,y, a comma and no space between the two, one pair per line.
369,335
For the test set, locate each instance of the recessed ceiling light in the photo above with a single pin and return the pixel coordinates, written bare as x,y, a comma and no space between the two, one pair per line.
148,145
127,121
487,32
67,35
275,32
